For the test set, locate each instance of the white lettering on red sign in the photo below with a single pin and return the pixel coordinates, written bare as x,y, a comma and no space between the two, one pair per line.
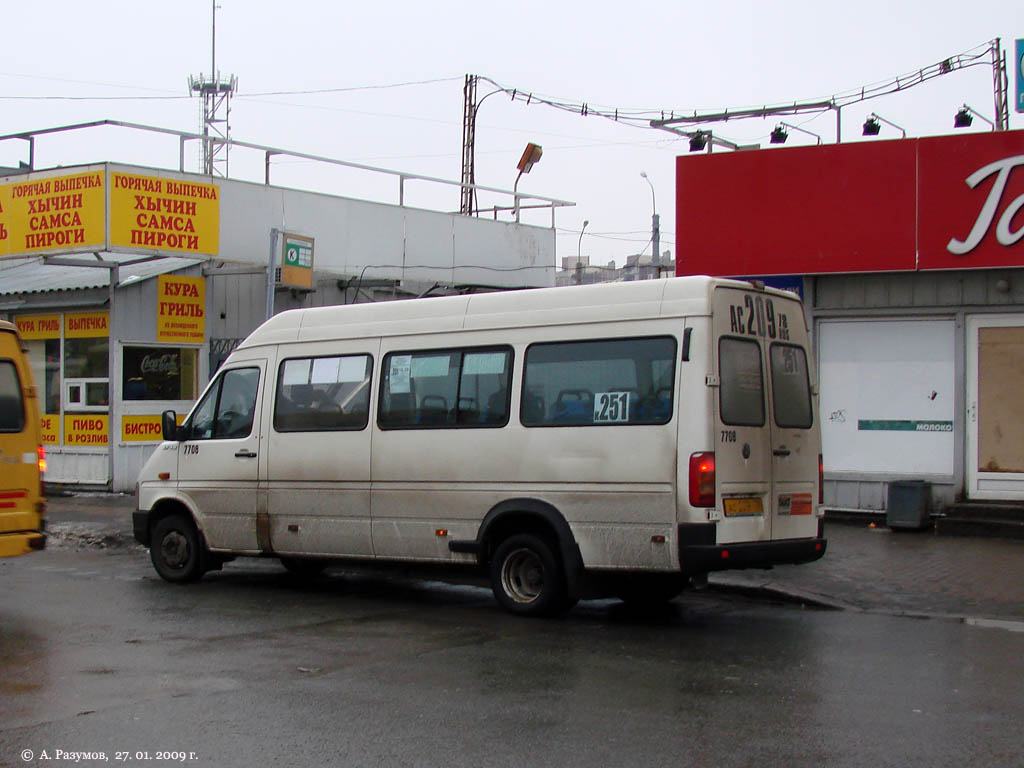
988,210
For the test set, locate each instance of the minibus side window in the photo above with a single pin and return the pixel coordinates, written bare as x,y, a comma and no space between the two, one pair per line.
445,388
791,389
316,394
607,382
741,389
229,406
12,407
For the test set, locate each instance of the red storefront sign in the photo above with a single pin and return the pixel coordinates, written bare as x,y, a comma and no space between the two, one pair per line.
948,202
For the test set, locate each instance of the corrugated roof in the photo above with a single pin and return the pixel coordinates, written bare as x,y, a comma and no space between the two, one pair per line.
39,277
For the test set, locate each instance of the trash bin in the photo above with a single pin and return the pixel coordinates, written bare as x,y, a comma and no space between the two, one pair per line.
909,505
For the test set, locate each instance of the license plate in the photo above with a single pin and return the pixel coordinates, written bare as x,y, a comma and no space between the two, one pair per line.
747,506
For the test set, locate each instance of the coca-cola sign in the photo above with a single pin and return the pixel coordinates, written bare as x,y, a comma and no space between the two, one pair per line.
946,202
160,364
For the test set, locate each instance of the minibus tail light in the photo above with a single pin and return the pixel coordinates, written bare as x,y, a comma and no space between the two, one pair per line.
821,480
41,460
702,479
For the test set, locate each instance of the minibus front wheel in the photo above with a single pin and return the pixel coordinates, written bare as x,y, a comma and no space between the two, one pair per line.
175,549
527,577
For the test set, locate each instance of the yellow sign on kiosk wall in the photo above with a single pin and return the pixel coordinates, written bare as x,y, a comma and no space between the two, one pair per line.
86,430
34,327
144,428
181,309
59,213
151,213
49,424
54,214
86,325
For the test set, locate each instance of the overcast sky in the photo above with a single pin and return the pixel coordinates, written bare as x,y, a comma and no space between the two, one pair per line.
130,60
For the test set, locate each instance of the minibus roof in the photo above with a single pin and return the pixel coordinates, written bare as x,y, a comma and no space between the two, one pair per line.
603,302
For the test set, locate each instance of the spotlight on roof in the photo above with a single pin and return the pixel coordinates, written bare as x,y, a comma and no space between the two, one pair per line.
872,127
698,141
778,136
962,119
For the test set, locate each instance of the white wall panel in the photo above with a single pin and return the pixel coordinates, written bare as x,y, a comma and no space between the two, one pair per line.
414,244
887,394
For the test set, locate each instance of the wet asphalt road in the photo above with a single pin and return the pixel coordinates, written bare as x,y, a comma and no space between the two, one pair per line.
252,667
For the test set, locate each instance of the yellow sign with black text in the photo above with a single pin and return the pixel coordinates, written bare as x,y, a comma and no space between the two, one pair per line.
148,213
181,309
58,213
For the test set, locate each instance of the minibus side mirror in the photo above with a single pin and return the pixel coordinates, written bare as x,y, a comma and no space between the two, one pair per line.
169,424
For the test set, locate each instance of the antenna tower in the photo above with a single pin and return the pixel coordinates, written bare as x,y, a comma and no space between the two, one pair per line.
216,93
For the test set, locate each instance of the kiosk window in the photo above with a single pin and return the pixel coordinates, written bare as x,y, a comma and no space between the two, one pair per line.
159,373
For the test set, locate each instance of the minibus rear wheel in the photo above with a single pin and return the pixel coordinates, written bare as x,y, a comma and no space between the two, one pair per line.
175,549
527,578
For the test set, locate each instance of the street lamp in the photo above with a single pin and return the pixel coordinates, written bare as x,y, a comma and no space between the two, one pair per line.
578,277
655,225
531,156
579,245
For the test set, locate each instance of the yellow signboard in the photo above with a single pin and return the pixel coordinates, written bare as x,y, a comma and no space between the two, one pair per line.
141,429
181,309
86,430
59,213
86,325
148,213
50,426
144,428
38,326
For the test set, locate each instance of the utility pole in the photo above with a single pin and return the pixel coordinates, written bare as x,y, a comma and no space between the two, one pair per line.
469,107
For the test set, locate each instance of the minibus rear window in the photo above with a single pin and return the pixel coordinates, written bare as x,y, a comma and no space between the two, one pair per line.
791,389
742,382
608,382
12,407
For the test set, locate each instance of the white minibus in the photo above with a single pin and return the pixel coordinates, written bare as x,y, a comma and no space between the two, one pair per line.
618,439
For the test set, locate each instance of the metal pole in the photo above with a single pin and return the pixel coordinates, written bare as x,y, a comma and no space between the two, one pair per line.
656,241
655,226
112,377
271,268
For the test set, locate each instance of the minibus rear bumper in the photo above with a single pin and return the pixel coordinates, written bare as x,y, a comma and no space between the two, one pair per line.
697,553
21,543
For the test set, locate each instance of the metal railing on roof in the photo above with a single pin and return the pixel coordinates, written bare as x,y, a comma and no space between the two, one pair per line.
517,204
